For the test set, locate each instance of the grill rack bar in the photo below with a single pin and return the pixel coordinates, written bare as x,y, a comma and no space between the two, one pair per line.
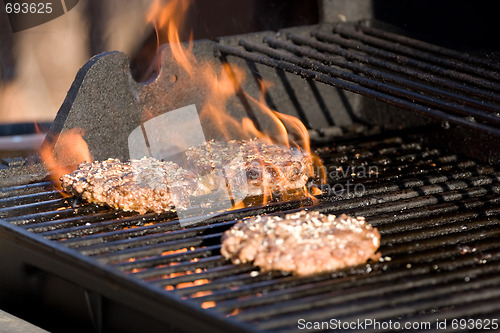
383,75
349,59
364,26
421,216
404,65
323,283
369,290
429,58
468,293
366,82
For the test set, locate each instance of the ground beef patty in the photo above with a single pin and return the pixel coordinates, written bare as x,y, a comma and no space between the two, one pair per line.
145,185
303,243
252,165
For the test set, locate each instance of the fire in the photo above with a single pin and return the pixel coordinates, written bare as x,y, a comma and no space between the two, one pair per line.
233,313
170,17
61,154
208,305
223,82
279,129
166,253
167,19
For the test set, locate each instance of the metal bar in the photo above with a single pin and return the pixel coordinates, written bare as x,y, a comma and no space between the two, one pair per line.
144,250
428,47
29,198
310,74
154,272
158,260
127,239
49,216
387,77
405,61
279,290
210,273
412,218
52,205
443,61
344,297
342,287
6,192
254,276
432,296
406,71
364,81
158,237
82,219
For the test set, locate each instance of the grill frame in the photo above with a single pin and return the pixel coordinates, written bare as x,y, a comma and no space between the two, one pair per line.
423,200
36,252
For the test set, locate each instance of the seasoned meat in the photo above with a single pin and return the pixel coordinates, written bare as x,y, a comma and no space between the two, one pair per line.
252,165
303,243
145,185
243,167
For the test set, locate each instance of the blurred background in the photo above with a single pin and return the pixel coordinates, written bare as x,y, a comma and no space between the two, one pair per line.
38,65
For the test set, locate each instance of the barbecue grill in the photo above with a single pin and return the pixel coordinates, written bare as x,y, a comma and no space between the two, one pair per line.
422,119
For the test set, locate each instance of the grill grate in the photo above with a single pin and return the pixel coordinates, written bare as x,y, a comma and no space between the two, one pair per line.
438,213
430,80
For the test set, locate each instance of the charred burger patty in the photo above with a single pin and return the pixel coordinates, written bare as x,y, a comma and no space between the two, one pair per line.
252,163
145,185
303,243
150,185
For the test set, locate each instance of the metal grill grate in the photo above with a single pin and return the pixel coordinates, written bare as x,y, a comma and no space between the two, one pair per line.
443,84
439,216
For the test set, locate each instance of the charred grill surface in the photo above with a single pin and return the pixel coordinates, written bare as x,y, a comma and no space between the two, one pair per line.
135,185
438,215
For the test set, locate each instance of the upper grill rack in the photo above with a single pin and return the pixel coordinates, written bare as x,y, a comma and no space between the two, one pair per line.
436,82
438,214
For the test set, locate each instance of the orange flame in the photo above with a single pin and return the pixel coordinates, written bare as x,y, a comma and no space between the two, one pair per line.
63,153
276,127
208,305
170,18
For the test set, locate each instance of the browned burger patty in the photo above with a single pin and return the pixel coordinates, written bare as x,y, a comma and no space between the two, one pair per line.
145,185
253,164
303,243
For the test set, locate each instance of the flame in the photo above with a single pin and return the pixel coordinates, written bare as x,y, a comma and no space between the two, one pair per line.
223,86
208,305
167,19
220,86
234,312
170,18
166,253
61,154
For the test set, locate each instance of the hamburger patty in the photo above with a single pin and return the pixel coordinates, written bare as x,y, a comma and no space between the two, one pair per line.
252,165
151,185
145,185
303,243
